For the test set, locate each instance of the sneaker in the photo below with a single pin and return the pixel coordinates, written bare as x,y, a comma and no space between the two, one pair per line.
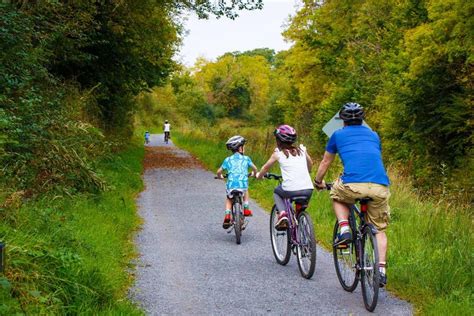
282,223
383,279
227,219
343,239
248,212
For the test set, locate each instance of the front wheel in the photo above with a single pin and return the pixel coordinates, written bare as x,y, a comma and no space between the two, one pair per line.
370,269
306,250
237,215
345,262
280,240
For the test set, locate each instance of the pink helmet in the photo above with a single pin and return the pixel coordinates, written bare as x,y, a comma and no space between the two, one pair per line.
285,133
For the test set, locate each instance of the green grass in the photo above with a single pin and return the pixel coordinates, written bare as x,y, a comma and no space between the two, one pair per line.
70,255
430,245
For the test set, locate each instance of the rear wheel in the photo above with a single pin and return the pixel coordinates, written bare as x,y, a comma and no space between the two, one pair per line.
280,240
306,250
345,262
370,270
237,216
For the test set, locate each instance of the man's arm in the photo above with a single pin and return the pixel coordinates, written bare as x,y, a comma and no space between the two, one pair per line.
328,158
267,165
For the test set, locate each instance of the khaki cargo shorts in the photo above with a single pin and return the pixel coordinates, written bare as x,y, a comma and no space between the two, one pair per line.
379,211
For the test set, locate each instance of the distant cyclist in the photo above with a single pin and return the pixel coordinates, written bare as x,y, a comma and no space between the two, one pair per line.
295,165
237,167
364,176
147,137
167,130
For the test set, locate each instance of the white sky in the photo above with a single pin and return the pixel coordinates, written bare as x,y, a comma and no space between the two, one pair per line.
252,29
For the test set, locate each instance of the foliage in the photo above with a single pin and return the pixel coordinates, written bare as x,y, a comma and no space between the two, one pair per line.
409,63
70,255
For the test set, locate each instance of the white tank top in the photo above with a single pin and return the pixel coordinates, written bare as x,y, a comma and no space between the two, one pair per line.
294,170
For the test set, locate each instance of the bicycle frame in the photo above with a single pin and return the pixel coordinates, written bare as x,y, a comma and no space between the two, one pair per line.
292,223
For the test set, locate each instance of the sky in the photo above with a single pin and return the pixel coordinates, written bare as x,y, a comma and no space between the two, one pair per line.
252,29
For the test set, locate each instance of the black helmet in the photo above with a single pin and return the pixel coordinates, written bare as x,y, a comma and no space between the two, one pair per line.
235,142
352,112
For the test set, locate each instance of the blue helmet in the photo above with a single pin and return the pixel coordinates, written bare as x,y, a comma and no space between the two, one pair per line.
352,112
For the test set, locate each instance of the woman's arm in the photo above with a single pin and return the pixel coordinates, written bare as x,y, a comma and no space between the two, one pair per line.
267,165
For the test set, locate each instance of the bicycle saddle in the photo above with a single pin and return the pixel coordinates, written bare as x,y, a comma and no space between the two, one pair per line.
364,200
236,193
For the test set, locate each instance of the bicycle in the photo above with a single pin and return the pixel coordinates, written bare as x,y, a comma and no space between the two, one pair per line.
167,137
298,238
358,260
238,222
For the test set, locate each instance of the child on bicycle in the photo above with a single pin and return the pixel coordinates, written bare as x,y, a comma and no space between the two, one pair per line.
147,137
237,167
295,165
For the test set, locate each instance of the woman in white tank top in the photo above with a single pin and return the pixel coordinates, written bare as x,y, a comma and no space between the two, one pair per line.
295,165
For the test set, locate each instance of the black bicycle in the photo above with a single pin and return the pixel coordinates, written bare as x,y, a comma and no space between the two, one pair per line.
298,238
238,222
167,137
358,259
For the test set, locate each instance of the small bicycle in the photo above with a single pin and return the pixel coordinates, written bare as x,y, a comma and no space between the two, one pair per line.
358,260
298,238
238,221
167,137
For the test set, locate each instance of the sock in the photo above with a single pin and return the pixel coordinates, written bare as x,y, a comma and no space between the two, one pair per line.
344,226
246,206
382,267
227,212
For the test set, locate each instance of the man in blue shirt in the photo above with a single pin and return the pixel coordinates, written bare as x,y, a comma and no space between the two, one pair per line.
364,176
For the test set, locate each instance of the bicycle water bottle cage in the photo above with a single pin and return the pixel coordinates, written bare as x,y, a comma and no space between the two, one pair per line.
364,204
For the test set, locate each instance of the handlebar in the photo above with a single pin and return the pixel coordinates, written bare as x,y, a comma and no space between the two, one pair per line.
272,176
225,176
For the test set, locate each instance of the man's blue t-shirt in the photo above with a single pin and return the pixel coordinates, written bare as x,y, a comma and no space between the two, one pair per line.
237,167
361,154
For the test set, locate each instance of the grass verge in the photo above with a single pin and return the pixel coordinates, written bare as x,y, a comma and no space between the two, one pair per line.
430,252
70,255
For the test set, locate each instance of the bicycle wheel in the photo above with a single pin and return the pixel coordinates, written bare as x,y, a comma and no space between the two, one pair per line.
237,216
345,262
280,240
370,270
306,250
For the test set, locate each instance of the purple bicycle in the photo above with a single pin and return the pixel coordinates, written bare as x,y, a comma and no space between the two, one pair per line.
298,238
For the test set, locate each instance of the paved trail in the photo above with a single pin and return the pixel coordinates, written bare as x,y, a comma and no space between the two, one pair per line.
189,265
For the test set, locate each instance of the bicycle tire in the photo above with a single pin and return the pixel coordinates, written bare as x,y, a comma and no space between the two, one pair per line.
306,250
370,271
279,240
345,263
237,216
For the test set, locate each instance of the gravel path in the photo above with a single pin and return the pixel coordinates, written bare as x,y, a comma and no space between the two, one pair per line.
190,265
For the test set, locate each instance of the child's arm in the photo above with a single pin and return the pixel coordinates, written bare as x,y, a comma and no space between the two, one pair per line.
267,165
309,162
254,169
219,173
